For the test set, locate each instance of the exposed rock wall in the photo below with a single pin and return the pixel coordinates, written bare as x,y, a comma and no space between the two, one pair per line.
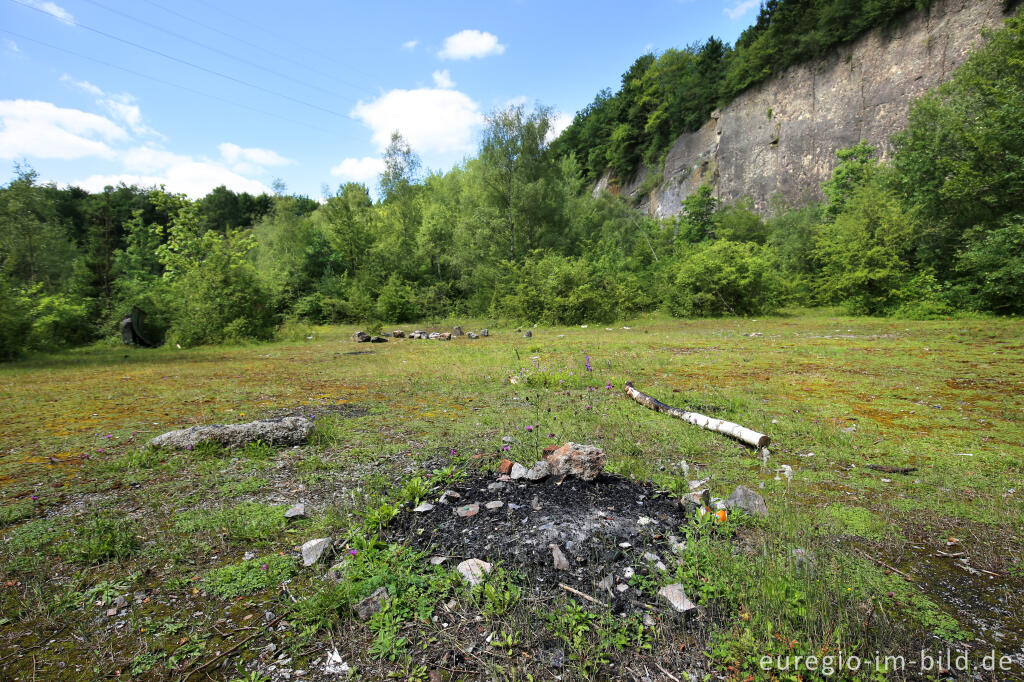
780,137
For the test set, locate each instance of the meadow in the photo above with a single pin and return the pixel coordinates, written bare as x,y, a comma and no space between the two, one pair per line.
122,561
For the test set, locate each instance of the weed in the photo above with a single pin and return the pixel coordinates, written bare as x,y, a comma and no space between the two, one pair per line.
246,486
498,594
858,521
13,513
327,432
416,489
102,537
251,575
248,521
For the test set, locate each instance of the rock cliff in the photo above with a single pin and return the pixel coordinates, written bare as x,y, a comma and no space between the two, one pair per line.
780,137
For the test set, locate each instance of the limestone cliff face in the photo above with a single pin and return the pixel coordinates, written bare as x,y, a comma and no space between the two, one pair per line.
780,137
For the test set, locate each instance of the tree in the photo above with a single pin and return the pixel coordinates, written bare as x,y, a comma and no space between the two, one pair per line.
516,175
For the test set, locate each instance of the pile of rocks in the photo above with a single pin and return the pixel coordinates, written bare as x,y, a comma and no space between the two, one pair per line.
363,337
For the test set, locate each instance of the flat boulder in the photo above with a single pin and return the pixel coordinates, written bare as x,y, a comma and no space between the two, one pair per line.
361,337
278,432
572,459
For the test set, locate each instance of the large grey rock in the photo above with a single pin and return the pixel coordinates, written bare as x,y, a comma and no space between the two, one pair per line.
278,432
693,501
537,472
746,499
485,332
779,137
457,331
518,471
572,459
527,334
297,511
361,337
675,595
313,550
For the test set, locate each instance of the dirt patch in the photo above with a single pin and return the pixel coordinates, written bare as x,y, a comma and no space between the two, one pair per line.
345,411
608,527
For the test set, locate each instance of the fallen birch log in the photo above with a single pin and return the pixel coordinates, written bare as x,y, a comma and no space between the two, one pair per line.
740,433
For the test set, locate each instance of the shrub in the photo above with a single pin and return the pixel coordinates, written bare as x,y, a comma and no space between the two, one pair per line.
993,269
397,301
15,322
723,277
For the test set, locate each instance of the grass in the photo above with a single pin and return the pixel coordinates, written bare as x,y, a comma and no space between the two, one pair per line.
823,572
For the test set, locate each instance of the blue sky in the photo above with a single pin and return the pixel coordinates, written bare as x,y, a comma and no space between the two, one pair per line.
195,95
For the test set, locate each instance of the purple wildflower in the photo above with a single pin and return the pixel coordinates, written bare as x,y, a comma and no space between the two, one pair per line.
506,447
264,567
551,435
529,428
353,552
35,498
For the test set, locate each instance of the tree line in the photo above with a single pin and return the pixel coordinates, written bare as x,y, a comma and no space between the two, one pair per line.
515,233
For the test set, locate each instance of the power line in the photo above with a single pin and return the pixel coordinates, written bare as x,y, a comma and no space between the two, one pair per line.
276,35
188,63
210,48
162,81
257,46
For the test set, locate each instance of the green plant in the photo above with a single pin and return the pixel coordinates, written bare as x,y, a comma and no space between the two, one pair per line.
498,594
248,576
101,537
376,518
13,513
245,521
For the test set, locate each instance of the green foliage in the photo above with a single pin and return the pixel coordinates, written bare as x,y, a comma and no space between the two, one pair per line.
992,268
251,575
248,521
722,277
594,637
396,301
100,538
15,321
13,513
853,171
865,253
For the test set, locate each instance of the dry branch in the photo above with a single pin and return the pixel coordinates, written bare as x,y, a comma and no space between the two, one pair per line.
740,433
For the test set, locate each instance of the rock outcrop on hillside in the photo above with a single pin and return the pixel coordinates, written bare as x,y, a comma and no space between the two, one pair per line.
780,137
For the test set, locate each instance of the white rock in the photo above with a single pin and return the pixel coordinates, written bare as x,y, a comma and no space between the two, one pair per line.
423,507
296,511
675,595
560,562
313,550
517,472
496,504
474,570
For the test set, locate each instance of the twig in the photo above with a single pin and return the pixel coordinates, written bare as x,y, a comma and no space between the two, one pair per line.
670,675
581,594
951,556
887,566
228,651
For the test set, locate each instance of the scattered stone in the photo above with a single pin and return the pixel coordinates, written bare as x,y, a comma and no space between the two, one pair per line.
717,504
295,512
277,432
678,546
535,504
628,572
537,472
473,335
582,461
120,602
361,337
495,504
437,560
434,336
335,666
560,562
111,613
694,485
649,620
505,466
248,556
622,587
372,604
378,339
485,332
269,616
507,439
448,494
746,499
423,507
398,334
445,336
139,595
652,557
457,331
474,570
527,334
518,471
607,582
313,550
675,595
496,486
467,510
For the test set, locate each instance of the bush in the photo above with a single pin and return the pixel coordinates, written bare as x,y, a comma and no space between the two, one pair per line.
397,301
15,322
214,303
993,269
723,277
60,320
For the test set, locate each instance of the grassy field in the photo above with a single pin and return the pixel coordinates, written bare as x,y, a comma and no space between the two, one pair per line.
118,560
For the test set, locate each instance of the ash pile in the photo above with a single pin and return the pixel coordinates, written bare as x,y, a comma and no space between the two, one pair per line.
565,525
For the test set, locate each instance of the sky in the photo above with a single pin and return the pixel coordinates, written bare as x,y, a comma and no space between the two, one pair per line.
193,95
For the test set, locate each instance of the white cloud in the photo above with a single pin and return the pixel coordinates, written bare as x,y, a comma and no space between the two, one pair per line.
430,120
43,130
742,8
194,178
250,160
11,45
121,106
147,159
54,10
84,86
363,170
469,44
410,44
443,79
559,122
